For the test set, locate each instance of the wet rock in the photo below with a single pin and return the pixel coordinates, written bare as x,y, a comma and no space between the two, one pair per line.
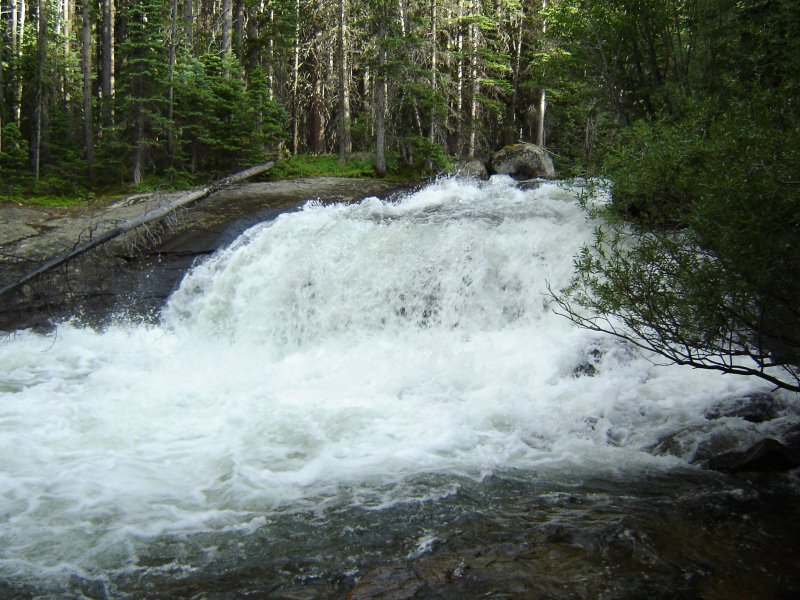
768,455
755,408
699,443
474,168
588,368
133,275
584,370
792,436
394,582
523,161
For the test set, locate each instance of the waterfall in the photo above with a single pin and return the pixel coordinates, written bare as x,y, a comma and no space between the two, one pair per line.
365,354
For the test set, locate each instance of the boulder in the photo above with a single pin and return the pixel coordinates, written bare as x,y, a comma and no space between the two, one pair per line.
755,408
765,456
472,167
523,161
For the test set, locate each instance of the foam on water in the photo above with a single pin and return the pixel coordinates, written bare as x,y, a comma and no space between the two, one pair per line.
345,347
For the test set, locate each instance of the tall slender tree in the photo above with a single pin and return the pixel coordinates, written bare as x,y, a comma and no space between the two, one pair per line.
86,68
343,122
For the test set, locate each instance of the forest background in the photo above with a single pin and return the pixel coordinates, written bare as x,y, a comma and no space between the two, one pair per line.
689,108
106,92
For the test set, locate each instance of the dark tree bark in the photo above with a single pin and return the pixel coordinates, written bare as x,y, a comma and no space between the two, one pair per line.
380,95
86,67
40,108
107,71
188,22
227,28
317,139
343,124
434,66
296,80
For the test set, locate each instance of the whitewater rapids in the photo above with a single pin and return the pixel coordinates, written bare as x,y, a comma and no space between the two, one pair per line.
367,354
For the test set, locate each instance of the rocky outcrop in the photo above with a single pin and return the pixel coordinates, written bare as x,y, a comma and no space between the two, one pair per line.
523,161
134,272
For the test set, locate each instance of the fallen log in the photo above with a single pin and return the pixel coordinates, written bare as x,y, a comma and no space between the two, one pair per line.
131,224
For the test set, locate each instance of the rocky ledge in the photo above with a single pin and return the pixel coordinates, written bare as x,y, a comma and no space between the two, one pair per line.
135,272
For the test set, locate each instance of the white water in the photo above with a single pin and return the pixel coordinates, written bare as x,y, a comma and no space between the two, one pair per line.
327,357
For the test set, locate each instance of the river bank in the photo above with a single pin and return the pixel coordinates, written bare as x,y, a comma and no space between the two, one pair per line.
136,272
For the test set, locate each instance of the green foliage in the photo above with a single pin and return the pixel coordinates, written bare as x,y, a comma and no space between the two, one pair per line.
707,167
14,157
360,164
222,124
654,166
430,157
324,165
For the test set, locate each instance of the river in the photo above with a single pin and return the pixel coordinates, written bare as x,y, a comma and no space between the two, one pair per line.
380,394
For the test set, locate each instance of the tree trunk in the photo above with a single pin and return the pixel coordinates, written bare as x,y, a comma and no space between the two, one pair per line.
252,34
239,28
460,82
541,113
475,85
512,132
380,97
86,67
317,140
432,125
540,116
227,28
296,81
39,120
138,145
343,124
173,43
188,22
2,82
17,28
67,9
107,72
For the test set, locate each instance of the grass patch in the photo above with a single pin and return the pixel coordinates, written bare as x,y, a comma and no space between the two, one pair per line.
360,165
322,165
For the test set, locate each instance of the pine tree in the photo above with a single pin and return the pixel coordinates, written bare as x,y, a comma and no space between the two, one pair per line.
142,84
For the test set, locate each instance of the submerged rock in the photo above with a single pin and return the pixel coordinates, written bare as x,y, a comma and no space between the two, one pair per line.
588,367
523,161
395,582
756,408
768,455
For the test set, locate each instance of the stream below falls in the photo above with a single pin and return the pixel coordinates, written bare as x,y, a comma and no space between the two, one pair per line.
376,400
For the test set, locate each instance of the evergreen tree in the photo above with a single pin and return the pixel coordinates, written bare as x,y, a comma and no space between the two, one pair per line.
142,85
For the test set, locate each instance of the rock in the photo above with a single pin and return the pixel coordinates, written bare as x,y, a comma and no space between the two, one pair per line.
523,161
473,167
135,273
755,408
699,443
768,455
587,368
394,582
584,370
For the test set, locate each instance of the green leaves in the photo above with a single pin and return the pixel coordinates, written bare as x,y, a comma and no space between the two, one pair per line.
707,273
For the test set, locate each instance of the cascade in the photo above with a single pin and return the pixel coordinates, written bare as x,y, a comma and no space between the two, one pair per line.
338,358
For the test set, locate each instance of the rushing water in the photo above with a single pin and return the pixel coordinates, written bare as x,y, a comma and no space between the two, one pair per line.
344,387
